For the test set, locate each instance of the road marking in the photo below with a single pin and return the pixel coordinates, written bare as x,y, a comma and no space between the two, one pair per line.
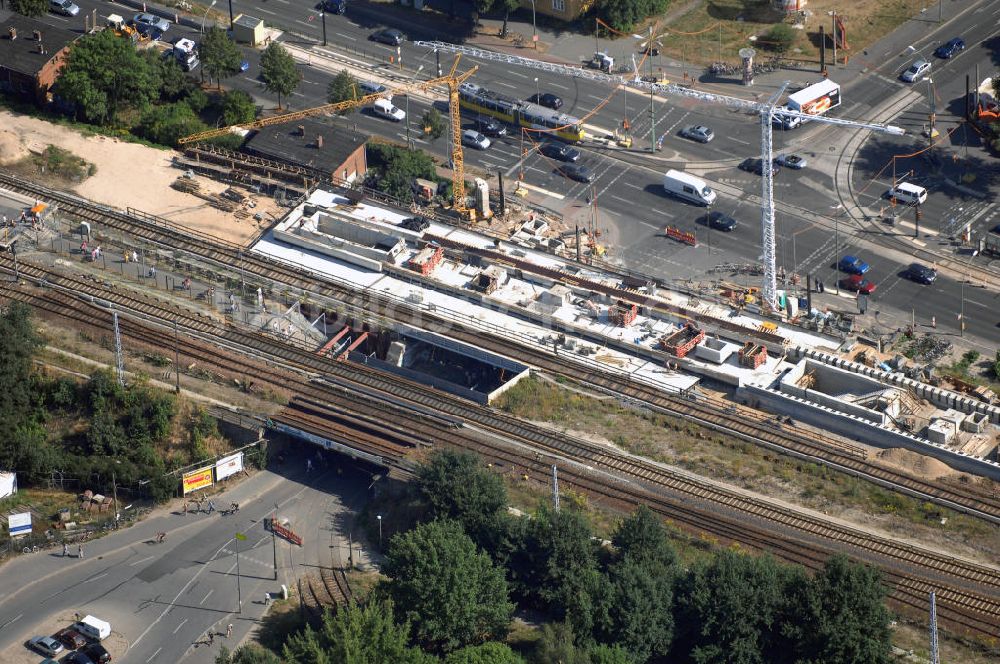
531,187
12,620
178,628
984,306
595,97
95,578
646,223
635,186
209,594
154,654
623,200
267,11
557,85
305,23
518,74
736,140
506,85
341,34
139,562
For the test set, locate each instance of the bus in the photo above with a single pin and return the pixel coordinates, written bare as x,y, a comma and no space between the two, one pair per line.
816,99
525,114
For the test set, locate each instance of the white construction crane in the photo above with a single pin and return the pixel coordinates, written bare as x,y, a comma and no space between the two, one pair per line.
765,110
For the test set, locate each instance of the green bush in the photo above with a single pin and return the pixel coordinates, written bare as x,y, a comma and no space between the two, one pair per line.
779,38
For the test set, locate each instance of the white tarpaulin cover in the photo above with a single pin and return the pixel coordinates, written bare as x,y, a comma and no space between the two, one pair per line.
229,465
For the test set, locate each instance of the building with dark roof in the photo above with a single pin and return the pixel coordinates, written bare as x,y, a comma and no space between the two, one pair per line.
337,152
31,53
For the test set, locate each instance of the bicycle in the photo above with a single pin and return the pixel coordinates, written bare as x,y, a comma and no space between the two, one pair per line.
30,549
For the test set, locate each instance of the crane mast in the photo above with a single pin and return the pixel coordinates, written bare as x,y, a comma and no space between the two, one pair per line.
765,110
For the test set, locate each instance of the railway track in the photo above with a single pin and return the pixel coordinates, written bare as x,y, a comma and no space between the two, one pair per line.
723,416
968,586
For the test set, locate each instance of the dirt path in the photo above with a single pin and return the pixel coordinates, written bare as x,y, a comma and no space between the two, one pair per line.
128,175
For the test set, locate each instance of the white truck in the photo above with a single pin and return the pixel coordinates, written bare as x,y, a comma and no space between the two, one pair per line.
688,187
185,52
816,99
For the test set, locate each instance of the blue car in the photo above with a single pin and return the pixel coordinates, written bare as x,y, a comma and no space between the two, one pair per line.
853,265
951,48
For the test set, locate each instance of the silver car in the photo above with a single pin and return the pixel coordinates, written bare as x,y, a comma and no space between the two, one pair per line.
699,133
45,645
474,139
64,7
152,21
917,71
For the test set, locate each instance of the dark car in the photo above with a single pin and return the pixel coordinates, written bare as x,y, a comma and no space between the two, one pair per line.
756,165
720,222
489,126
559,151
546,99
77,658
150,32
96,652
70,638
390,36
857,283
334,6
577,172
921,273
853,265
949,49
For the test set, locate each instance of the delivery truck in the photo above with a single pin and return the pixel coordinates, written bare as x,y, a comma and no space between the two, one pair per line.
688,188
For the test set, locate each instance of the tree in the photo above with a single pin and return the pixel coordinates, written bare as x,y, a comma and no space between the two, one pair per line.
779,38
487,653
851,625
456,486
30,7
238,108
605,654
279,71
483,6
355,634
168,123
343,87
452,595
623,15
557,644
220,56
642,536
251,653
392,169
19,343
432,119
641,599
104,74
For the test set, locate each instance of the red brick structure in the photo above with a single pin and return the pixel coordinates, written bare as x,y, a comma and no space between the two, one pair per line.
31,54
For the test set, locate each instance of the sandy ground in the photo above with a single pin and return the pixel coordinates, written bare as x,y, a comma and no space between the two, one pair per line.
128,175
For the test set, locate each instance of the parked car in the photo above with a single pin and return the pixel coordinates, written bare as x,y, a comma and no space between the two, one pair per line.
489,126
949,49
96,652
699,133
756,165
719,221
792,161
474,139
150,32
370,88
45,645
917,71
547,99
70,638
857,283
577,172
921,273
554,150
334,6
144,18
383,108
853,265
390,36
64,7
77,658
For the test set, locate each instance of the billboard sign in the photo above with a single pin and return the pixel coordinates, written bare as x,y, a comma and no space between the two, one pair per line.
197,479
19,524
227,466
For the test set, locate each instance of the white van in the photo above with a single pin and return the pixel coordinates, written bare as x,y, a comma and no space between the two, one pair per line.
908,193
93,628
384,108
688,187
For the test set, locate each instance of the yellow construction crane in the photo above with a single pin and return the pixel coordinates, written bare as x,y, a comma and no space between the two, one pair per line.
451,80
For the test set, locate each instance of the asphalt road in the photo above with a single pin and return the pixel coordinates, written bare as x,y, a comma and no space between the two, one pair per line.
812,231
164,598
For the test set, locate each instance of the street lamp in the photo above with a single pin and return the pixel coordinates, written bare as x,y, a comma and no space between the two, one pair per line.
379,517
409,143
538,95
208,9
534,33
961,315
322,16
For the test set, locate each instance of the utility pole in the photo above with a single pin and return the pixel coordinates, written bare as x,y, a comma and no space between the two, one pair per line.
239,593
933,116
114,493
935,656
322,15
177,361
652,110
274,541
555,487
833,15
119,358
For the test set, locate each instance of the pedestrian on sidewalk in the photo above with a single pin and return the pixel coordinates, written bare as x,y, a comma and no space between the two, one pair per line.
211,637
65,549
229,631
135,257
152,272
267,599
79,551
211,506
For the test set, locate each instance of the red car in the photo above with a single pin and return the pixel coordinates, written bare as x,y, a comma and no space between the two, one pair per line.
856,282
70,638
